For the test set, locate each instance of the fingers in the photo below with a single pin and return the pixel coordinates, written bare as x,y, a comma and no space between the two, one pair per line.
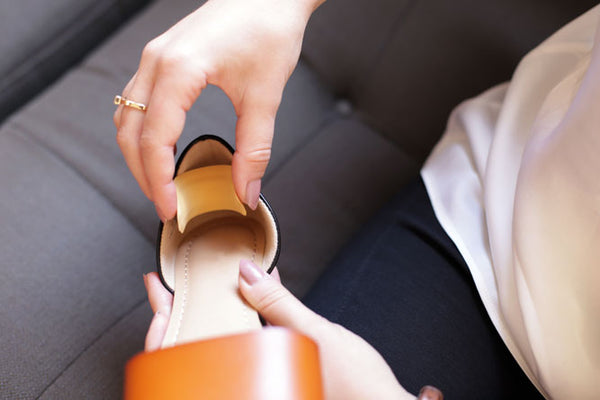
254,137
275,274
161,302
159,297
130,121
274,302
168,86
171,98
119,110
156,332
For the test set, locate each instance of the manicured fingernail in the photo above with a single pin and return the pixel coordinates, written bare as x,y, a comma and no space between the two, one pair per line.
252,193
430,393
161,215
250,273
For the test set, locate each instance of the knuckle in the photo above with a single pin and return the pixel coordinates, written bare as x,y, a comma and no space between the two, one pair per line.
147,143
172,60
123,139
271,298
320,329
323,325
152,49
258,156
338,329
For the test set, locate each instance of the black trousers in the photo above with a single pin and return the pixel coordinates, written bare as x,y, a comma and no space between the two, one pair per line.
403,286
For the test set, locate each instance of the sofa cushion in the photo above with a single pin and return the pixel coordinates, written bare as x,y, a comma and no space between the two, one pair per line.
40,39
406,64
71,265
327,190
98,372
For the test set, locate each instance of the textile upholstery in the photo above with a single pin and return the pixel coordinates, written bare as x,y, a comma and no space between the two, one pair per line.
369,97
41,39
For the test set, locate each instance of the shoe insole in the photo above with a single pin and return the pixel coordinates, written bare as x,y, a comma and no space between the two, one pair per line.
207,302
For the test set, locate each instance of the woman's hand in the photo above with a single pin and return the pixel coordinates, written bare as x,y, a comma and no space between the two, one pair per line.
248,49
352,369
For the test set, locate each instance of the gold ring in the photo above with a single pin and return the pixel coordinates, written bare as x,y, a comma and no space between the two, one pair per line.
129,103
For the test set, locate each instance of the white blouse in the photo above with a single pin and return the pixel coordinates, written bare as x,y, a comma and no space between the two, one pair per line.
515,182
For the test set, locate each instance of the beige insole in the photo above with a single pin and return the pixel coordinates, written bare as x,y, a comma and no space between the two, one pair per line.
207,302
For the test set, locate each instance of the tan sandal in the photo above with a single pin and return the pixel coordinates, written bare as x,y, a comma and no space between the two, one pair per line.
215,346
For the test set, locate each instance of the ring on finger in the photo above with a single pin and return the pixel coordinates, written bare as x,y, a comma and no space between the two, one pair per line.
129,103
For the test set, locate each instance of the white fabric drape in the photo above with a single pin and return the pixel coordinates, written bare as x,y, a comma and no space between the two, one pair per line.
515,182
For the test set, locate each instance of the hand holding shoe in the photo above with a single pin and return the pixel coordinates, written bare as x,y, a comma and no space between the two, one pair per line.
248,49
352,369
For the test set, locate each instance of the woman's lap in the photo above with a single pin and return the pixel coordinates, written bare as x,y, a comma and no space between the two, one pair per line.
402,285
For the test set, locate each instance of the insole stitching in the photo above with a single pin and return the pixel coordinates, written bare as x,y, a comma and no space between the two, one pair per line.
247,316
188,250
247,313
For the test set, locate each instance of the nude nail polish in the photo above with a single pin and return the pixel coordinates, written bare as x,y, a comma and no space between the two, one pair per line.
252,193
250,272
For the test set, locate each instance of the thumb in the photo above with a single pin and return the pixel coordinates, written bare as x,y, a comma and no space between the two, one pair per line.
253,140
274,302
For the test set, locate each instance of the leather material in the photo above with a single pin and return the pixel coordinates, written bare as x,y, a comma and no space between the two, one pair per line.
203,190
215,346
201,262
273,363
210,150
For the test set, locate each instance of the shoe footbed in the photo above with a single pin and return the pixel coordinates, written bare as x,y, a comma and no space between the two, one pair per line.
207,302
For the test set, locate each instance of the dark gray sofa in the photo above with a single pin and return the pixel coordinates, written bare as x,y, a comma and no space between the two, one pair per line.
369,98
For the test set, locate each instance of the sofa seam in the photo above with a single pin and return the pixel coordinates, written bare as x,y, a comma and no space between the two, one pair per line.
353,95
91,344
59,41
385,43
15,80
330,116
31,138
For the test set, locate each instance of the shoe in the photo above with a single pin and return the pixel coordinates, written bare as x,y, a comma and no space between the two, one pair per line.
215,346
